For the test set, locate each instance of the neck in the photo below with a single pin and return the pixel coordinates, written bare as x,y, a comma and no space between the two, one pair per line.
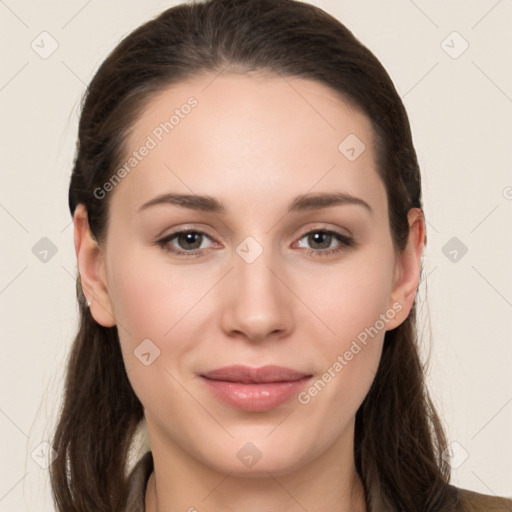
326,484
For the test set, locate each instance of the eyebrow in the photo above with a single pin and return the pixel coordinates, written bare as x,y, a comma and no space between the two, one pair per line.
310,201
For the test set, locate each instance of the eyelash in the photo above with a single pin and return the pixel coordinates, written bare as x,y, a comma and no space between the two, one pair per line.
345,241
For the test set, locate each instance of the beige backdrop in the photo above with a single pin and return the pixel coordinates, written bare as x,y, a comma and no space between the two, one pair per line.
451,63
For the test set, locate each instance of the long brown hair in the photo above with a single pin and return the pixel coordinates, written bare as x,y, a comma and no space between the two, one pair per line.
399,440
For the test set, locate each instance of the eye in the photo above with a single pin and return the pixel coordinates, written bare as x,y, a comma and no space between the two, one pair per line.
324,239
189,242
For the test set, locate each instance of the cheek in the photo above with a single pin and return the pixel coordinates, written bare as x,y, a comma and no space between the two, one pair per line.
150,302
356,315
353,302
350,356
161,310
149,296
349,297
135,296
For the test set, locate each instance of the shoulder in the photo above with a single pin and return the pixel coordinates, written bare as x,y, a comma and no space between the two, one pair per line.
470,501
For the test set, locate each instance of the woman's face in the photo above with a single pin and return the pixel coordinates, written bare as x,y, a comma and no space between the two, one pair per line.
268,274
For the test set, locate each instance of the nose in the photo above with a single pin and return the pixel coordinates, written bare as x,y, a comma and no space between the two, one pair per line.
258,304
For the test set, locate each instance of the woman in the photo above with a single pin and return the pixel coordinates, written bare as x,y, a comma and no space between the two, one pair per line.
271,373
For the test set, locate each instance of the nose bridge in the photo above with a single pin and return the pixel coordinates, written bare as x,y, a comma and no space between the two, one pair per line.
252,268
257,304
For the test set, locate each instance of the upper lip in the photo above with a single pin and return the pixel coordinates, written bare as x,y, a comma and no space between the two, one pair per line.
248,375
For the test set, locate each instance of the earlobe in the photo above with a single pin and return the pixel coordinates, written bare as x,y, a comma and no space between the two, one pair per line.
91,264
408,267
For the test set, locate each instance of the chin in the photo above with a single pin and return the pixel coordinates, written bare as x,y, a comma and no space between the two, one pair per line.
257,458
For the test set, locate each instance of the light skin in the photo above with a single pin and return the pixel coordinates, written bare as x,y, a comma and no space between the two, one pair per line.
254,142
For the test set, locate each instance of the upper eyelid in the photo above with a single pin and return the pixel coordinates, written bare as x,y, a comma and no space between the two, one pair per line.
178,232
228,233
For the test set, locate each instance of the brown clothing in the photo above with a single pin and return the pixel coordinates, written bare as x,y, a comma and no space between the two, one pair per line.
469,501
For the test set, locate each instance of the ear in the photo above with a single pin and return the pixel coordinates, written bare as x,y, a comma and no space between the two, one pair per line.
407,269
91,264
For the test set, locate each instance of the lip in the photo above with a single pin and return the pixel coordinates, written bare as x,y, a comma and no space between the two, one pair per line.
255,389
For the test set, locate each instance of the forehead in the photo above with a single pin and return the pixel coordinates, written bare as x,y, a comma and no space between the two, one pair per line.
249,137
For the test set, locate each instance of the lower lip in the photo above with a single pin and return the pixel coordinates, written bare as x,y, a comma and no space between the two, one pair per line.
255,397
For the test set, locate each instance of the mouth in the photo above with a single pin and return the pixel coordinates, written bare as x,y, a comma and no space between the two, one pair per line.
255,389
